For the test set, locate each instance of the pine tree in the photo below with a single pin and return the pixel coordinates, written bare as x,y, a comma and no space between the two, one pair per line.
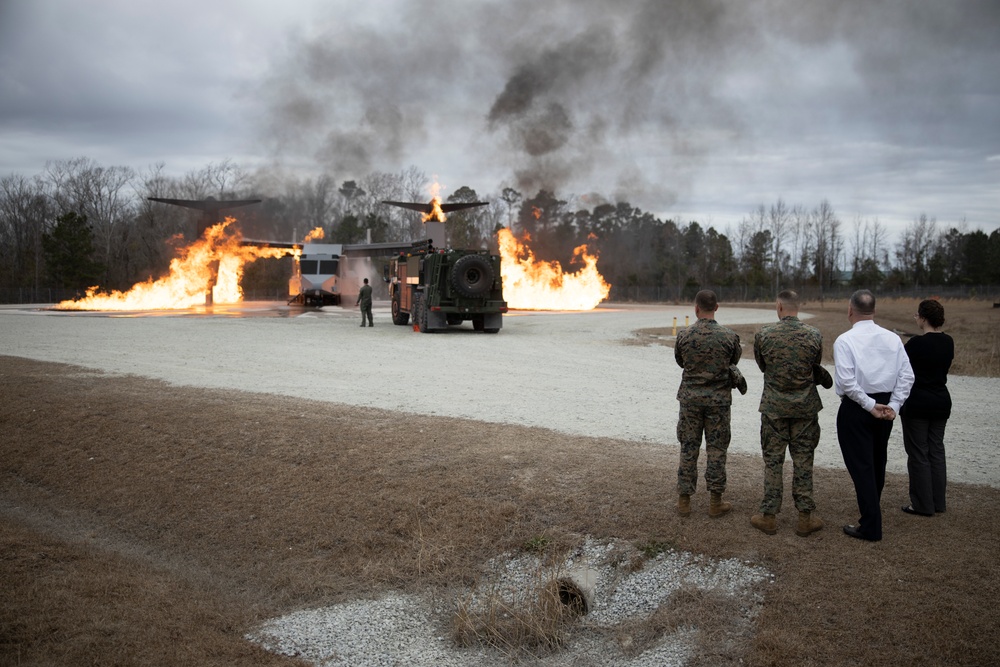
69,251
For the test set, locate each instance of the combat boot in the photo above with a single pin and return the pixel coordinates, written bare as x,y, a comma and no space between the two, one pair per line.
716,506
684,504
765,523
808,524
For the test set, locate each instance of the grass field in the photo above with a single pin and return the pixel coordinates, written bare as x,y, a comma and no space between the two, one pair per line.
143,523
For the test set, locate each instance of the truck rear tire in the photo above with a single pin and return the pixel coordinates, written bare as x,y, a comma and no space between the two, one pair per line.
400,317
419,313
472,276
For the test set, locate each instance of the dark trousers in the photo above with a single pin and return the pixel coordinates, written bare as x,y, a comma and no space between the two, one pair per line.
925,462
864,442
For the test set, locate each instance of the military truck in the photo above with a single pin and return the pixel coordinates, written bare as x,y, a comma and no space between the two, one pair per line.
438,288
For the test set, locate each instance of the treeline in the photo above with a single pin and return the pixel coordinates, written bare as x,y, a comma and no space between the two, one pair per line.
79,224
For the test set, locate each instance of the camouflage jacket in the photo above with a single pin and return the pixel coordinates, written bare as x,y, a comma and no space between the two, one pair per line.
786,351
705,351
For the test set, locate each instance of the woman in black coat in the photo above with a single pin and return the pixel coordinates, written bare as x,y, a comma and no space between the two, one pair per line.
926,411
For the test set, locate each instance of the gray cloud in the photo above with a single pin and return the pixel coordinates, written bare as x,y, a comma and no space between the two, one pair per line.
696,105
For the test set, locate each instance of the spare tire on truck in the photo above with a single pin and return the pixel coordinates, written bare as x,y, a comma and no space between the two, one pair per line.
472,276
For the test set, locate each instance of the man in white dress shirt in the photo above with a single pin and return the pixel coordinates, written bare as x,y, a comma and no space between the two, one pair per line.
873,379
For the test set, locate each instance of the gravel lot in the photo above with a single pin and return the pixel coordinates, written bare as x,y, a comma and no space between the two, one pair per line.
571,372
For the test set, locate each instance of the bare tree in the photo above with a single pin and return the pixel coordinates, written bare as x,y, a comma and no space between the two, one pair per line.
799,233
227,178
778,220
914,249
878,243
24,216
319,201
155,223
827,244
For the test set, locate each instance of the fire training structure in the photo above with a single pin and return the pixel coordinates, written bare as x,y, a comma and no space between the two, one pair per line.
434,287
211,209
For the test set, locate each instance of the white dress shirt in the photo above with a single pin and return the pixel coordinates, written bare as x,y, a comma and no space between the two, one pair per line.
871,360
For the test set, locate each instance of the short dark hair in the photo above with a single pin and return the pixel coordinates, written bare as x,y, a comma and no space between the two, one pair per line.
789,299
863,301
932,311
706,301
366,281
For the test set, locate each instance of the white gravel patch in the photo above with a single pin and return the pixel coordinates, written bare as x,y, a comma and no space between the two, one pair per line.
399,629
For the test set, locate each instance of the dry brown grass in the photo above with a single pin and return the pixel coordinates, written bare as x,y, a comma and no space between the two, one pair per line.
525,623
142,523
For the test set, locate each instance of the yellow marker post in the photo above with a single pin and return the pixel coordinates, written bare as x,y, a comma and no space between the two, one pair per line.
674,332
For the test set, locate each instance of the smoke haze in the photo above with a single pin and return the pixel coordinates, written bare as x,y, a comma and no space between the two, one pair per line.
699,107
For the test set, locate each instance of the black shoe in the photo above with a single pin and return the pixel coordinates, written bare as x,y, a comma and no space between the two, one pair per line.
909,510
854,531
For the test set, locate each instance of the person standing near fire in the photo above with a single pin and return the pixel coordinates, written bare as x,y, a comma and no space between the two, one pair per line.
789,353
706,351
873,379
926,411
365,301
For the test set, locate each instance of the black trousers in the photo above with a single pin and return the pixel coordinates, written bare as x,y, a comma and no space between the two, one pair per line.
864,442
923,440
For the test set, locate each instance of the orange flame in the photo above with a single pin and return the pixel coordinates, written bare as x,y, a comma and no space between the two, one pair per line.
436,214
315,235
531,284
214,262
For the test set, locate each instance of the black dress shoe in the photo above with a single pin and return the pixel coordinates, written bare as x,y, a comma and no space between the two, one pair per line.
909,510
854,531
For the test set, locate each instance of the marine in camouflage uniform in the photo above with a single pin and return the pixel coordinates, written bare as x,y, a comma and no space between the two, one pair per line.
788,352
705,351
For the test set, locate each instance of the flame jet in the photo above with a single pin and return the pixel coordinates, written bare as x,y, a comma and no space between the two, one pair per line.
211,209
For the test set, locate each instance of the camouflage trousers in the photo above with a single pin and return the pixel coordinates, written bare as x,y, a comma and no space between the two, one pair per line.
799,437
713,422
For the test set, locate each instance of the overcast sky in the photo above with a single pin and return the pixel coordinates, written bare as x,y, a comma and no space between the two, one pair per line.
701,110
